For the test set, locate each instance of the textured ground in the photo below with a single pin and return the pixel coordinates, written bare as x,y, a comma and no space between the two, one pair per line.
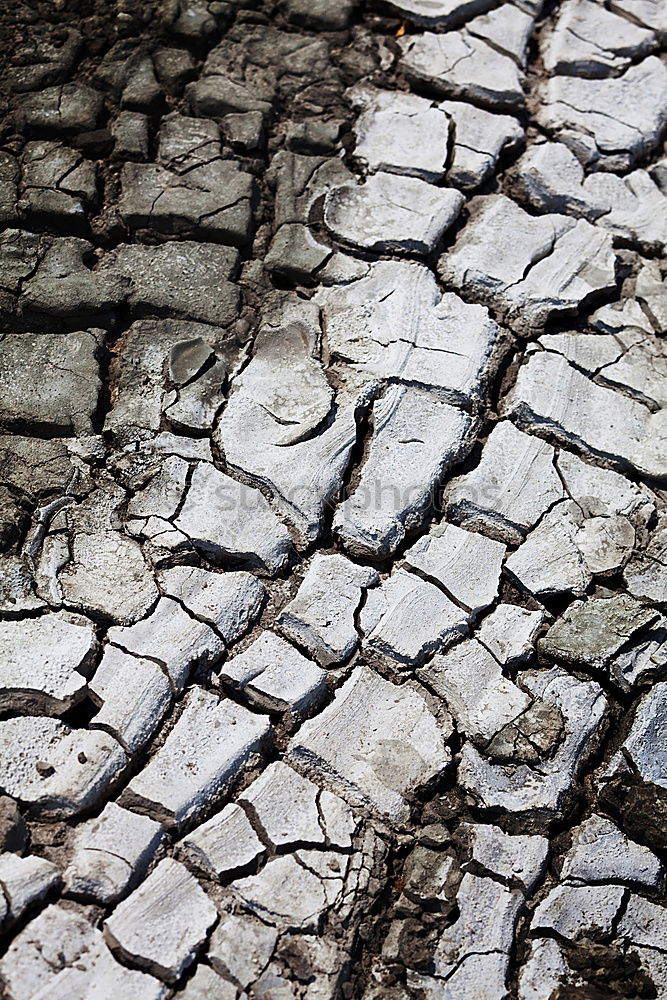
334,540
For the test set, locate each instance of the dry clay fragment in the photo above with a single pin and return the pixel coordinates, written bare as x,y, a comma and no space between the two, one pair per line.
24,881
281,427
416,437
275,677
321,617
562,262
110,853
391,214
373,745
60,955
211,741
55,770
44,662
553,399
610,123
460,65
393,322
162,925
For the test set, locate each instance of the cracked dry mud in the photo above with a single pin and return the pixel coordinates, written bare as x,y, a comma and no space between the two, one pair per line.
333,531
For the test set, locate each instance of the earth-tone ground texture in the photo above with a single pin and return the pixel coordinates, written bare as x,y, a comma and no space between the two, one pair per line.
334,536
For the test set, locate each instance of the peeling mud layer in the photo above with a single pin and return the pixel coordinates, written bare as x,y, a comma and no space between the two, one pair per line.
333,451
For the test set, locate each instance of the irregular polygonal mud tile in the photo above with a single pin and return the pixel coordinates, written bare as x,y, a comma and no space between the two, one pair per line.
514,483
517,858
151,362
17,585
608,123
61,110
643,923
178,642
439,13
321,616
509,633
588,40
133,695
391,214
554,399
603,492
20,254
472,956
651,290
300,183
229,520
545,969
642,929
230,602
600,852
624,316
290,810
64,285
211,741
405,618
541,791
506,29
644,659
9,179
394,323
38,465
275,677
183,279
225,843
45,662
110,853
550,178
496,714
130,136
107,574
375,744
296,254
465,564
58,185
479,137
460,65
400,133
174,67
282,427
50,381
206,984
644,750
632,360
646,573
311,888
61,956
127,72
24,882
562,263
192,190
163,924
571,911
157,501
567,549
592,633
44,60
241,947
416,437
55,770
